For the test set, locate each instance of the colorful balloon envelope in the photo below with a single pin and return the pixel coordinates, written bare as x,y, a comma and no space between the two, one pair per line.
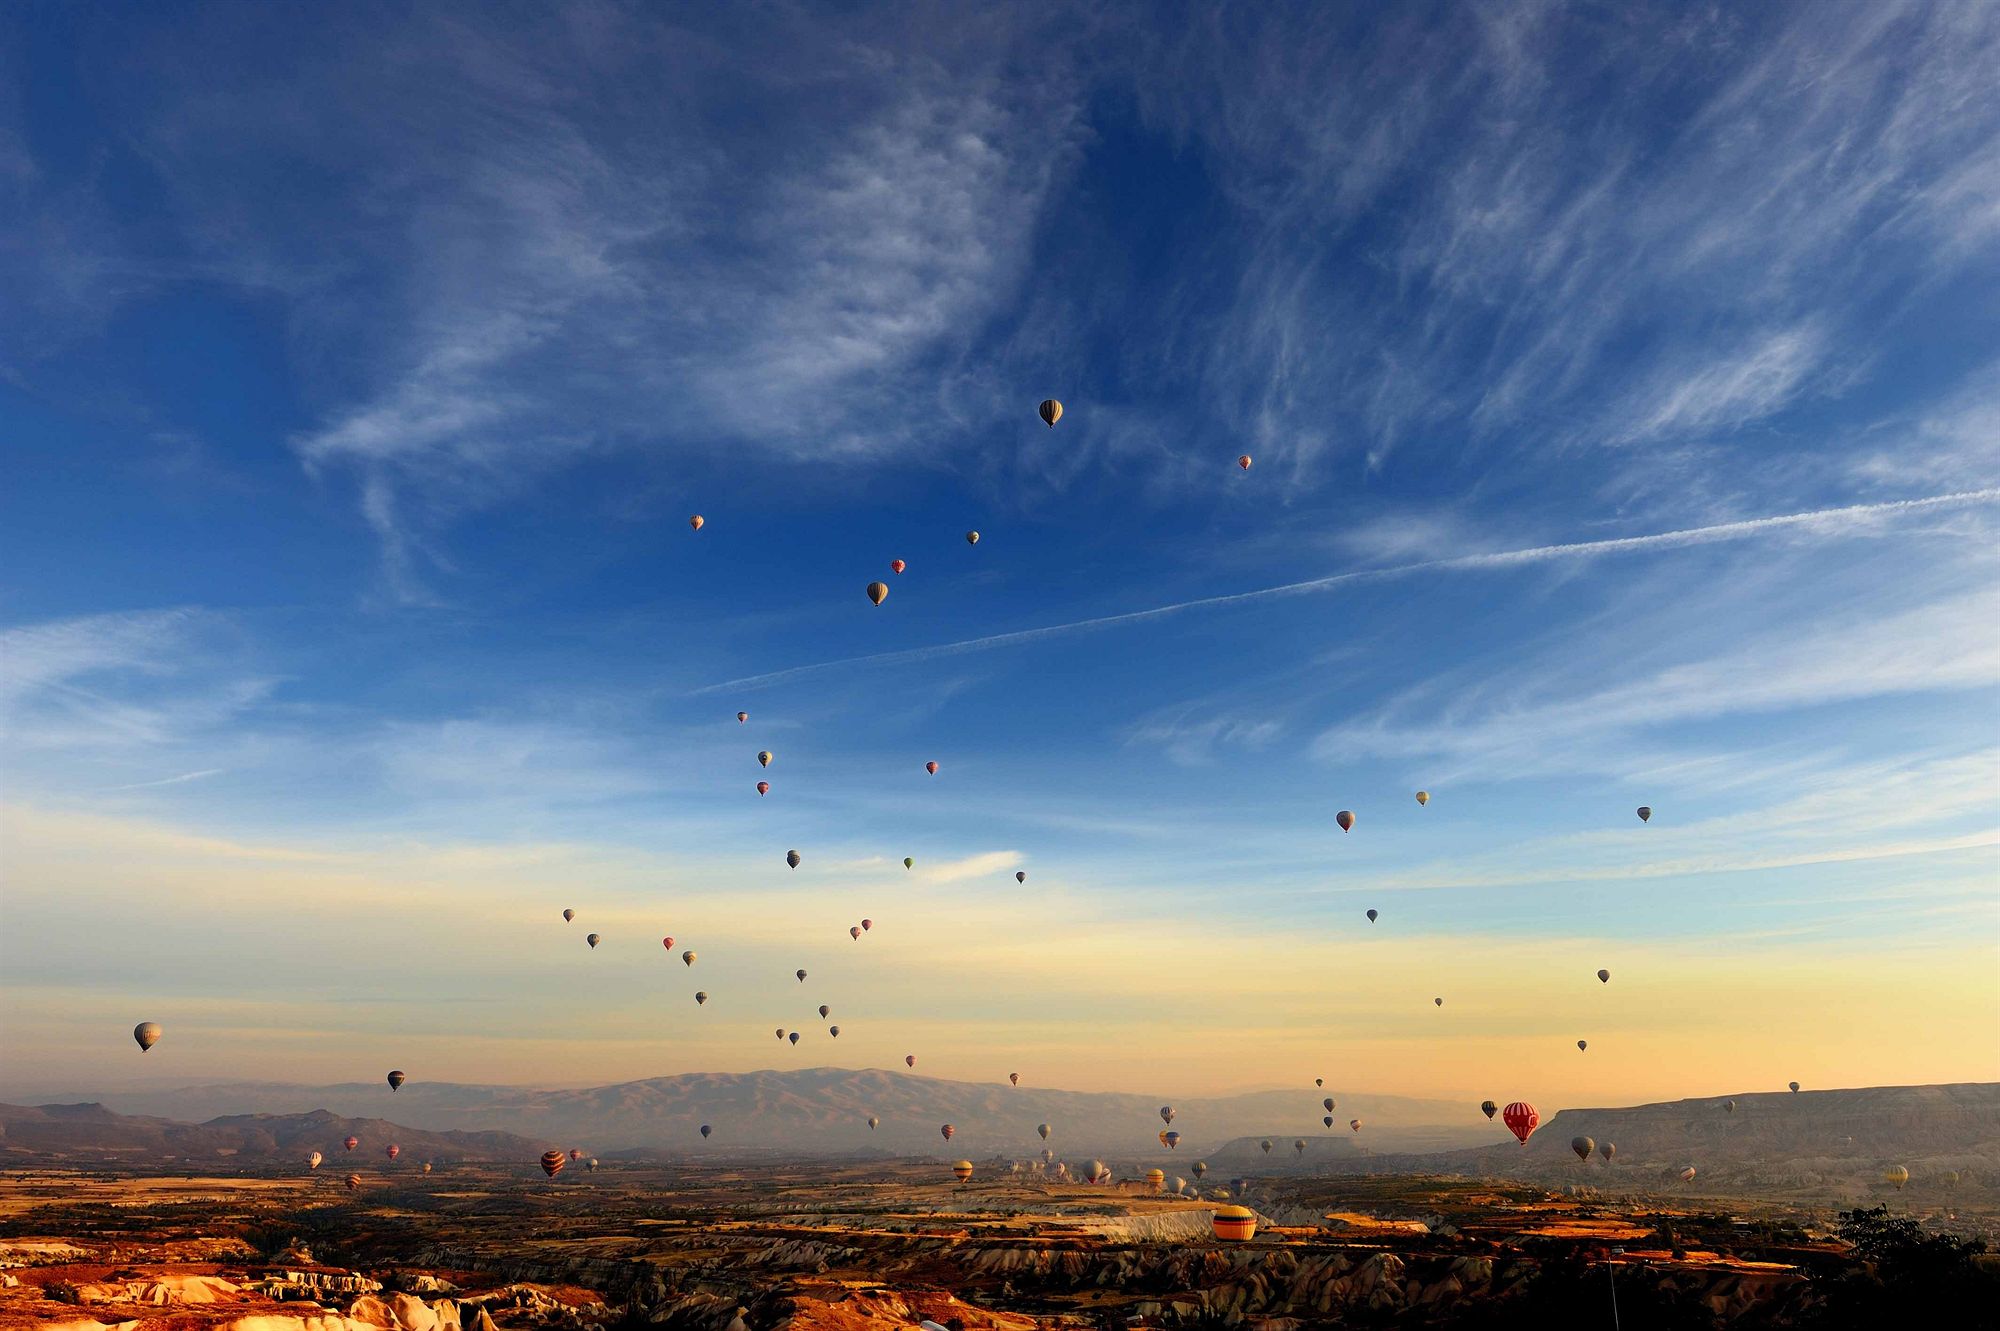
668,942
1014,1078
568,915
764,758
854,932
1327,1120
1042,1129
1354,1125
313,1159
553,1162
741,717
909,1060
878,592
972,538
1346,820
1645,813
931,768
868,924
947,1130
697,522
1521,1120
1423,797
354,1182
792,858
592,940
705,1130
700,996
1604,977
393,1151
763,787
872,1121
147,1033
1583,1146
1173,1140
802,979
1488,1108
1244,462
793,1037
1582,1045
687,958
1021,876
1051,412
1371,915
962,1170
351,1143
834,1031
1327,1104
897,566
1166,1113
1234,1224
823,1010
1607,1150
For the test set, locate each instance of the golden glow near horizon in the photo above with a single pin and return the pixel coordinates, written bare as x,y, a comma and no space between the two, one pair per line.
272,961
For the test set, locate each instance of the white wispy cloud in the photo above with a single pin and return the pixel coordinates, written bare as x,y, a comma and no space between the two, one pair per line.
1818,524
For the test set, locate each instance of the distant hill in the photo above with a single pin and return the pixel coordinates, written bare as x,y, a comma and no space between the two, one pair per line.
1810,1143
825,1111
86,1134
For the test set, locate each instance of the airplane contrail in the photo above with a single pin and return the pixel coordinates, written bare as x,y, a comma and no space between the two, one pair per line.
1830,521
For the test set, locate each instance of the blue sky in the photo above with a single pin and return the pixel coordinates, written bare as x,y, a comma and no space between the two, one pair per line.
359,372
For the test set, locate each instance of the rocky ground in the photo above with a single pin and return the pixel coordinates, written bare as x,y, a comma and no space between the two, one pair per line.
862,1247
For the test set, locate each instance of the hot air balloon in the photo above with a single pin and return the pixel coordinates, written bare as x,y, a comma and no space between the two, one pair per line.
1156,1179
1607,1150
780,1032
1583,1146
1583,1044
823,1011
351,1143
696,521
393,1151
1521,1120
793,1037
834,1031
1173,1141
1021,876
705,1130
1327,1120
1014,1078
1042,1129
687,958
764,758
763,787
972,538
575,1155
1423,797
1051,412
897,566
878,592
1319,1081
396,1080
700,996
1728,1106
1488,1108
1300,1146
147,1033
802,979
568,915
1354,1125
931,768
1604,977
962,1170
1438,1001
1234,1224
868,924
792,858
1166,1113
1687,1175
1345,819
553,1162
1327,1104
1200,1168
313,1159
1896,1176
872,1121
947,1130
1266,1145
1645,813
1244,462
741,717
1371,915
354,1182
1099,1171
854,932
909,1060
591,1164
1162,1134
909,863
591,939
1795,1088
